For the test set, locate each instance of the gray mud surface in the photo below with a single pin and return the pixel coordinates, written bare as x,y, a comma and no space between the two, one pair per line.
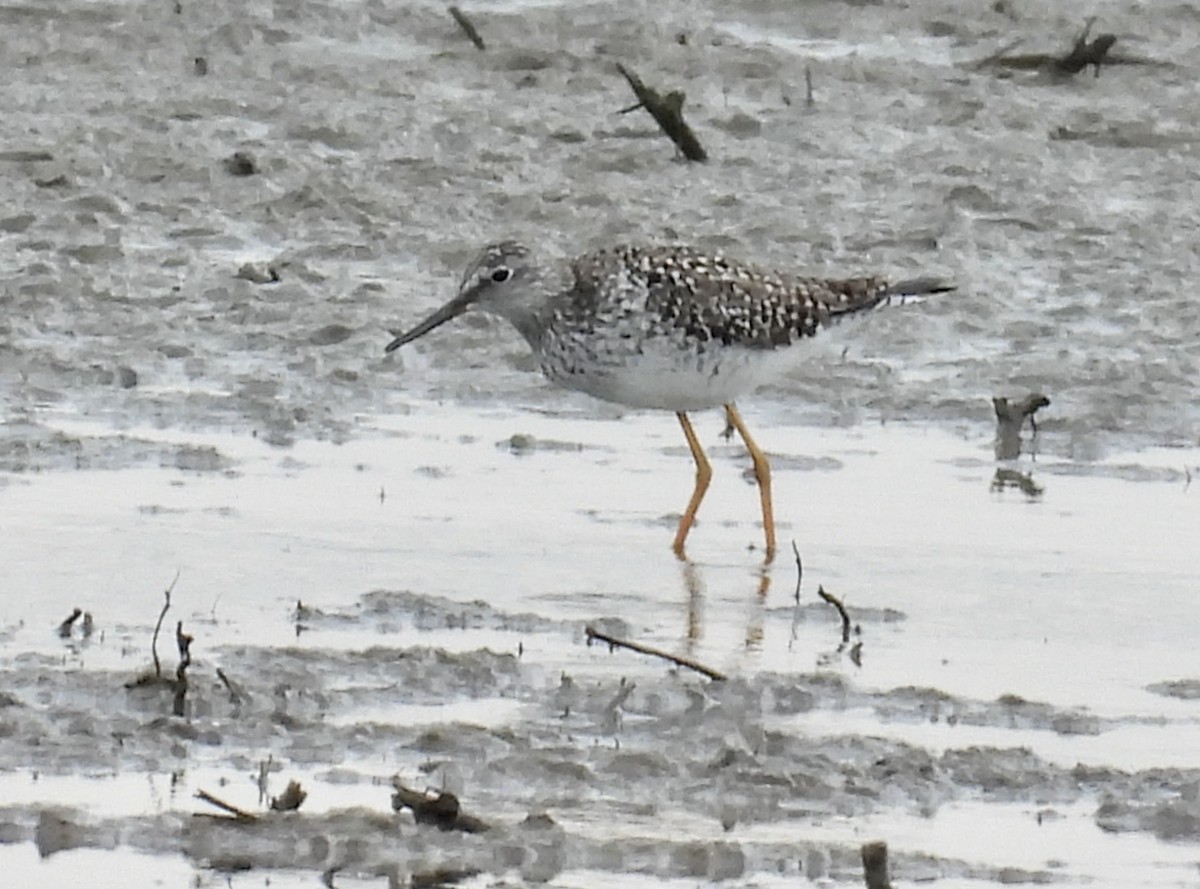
622,765
162,313
144,281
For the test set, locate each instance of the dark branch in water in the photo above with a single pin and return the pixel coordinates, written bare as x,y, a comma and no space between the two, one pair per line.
667,112
875,865
613,642
467,26
837,603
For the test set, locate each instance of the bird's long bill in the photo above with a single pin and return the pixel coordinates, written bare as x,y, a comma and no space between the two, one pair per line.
449,311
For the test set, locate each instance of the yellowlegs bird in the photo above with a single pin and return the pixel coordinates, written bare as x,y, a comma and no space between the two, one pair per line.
668,328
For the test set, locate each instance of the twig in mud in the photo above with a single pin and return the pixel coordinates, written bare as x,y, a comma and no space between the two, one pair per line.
809,101
239,814
613,642
236,695
291,799
837,603
467,26
64,629
799,570
667,112
875,865
440,809
158,626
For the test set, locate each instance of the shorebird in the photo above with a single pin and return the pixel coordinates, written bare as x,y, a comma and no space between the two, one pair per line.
664,328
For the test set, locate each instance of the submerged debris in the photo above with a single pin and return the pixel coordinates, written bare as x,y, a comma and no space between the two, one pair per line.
442,810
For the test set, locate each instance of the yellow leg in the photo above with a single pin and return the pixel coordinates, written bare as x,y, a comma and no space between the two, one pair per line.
703,477
762,472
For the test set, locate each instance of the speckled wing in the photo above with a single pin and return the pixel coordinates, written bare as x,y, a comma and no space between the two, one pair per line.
711,298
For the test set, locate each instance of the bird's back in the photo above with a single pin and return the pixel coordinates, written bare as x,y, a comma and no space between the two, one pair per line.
706,297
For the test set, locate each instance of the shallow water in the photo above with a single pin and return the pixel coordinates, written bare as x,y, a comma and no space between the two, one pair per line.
1041,625
395,557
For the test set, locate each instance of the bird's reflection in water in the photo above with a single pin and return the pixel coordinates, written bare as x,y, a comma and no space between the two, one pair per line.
1013,478
695,594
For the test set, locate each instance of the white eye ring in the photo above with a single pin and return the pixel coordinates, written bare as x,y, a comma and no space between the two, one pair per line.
501,275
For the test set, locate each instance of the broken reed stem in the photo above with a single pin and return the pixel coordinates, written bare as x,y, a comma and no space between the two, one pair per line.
468,27
613,642
875,865
158,626
184,643
799,570
837,603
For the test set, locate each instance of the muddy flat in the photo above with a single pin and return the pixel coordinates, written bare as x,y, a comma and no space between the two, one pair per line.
388,566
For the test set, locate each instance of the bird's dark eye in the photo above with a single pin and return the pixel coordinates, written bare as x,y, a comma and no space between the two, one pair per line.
501,275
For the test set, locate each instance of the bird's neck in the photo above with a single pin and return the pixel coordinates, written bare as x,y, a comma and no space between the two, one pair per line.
528,323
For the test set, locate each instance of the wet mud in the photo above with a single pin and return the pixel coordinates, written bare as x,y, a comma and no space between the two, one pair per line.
582,772
212,215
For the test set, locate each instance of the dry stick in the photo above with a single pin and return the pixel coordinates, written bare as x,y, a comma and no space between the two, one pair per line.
837,603
875,865
158,626
614,642
667,112
239,814
468,28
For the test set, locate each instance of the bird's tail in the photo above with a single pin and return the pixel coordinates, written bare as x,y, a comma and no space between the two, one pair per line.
915,290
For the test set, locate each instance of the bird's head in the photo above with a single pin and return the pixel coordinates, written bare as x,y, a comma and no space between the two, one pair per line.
503,280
